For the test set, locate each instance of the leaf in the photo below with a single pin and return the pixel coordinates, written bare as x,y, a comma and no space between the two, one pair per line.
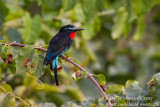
40,67
92,105
47,36
12,67
140,28
141,7
68,4
50,8
25,56
100,4
156,2
14,13
121,102
75,67
5,51
133,91
130,82
83,73
48,88
117,89
88,33
7,87
130,10
27,51
3,13
13,35
89,9
32,28
8,100
101,80
119,23
74,93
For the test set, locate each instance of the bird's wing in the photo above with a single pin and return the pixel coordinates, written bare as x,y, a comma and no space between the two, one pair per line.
58,45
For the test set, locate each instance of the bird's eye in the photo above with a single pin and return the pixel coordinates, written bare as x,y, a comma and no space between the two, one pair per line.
66,28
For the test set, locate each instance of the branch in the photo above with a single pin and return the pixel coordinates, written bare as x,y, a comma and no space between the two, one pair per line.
72,62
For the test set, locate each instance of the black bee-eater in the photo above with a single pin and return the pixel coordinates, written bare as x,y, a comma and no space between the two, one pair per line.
60,43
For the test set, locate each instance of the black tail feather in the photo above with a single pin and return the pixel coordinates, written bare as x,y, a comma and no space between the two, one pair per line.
55,75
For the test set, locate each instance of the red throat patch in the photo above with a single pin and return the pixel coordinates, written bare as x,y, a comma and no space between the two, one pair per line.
72,35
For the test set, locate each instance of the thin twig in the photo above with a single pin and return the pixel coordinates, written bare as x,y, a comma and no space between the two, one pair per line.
72,62
13,95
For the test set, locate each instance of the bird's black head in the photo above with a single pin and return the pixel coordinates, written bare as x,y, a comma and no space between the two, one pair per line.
69,28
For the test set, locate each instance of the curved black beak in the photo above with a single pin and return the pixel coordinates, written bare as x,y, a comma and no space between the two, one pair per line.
78,29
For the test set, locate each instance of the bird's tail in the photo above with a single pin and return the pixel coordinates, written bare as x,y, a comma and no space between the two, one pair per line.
54,65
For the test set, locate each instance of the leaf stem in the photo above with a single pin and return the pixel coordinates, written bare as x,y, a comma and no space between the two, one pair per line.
72,62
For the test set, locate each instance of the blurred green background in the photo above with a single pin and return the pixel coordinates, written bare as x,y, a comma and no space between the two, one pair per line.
121,40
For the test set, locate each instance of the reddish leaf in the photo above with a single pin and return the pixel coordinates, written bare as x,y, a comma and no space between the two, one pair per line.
10,56
27,60
77,74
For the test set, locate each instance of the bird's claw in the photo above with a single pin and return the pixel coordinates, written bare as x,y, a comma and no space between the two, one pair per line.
59,68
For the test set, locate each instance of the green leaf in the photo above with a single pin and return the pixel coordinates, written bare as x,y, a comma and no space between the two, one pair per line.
8,100
27,51
83,73
119,23
48,88
89,9
156,1
117,89
25,56
140,28
130,82
89,32
50,8
75,67
130,10
69,4
100,4
13,35
6,50
32,28
121,102
47,36
78,13
7,87
133,91
40,67
74,93
12,67
14,13
3,13
142,7
101,80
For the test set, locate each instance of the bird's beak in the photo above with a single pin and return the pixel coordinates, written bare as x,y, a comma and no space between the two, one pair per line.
78,29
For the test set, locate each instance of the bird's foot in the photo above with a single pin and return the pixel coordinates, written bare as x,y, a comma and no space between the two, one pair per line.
51,68
59,68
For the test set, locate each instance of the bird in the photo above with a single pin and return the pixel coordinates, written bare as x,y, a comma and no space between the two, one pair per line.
59,44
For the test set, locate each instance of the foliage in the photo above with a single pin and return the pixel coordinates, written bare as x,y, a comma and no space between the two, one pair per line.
120,45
